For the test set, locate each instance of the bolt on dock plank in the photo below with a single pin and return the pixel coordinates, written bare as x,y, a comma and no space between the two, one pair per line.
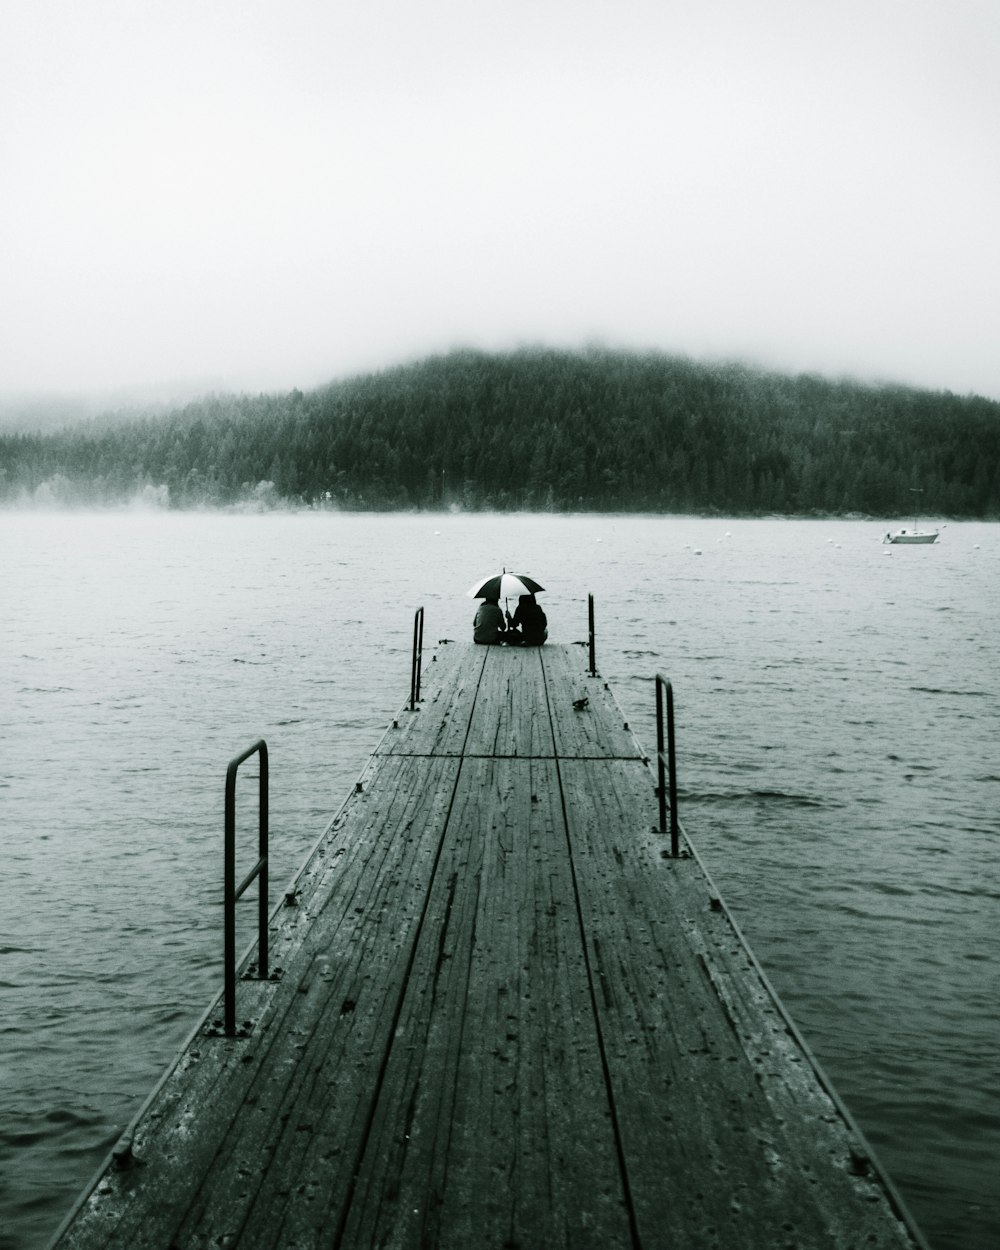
506,1018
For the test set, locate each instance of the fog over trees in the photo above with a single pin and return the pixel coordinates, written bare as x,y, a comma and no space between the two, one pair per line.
538,429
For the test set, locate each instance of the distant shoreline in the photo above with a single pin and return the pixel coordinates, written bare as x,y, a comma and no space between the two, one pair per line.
292,509
538,431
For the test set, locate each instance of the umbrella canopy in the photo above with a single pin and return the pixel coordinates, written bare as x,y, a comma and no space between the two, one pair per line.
504,586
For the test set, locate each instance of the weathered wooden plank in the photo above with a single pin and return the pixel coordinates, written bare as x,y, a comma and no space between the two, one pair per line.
718,1147
510,716
598,730
439,724
507,1136
848,1196
315,1128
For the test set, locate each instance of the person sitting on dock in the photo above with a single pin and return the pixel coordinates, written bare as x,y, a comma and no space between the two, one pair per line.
488,628
532,622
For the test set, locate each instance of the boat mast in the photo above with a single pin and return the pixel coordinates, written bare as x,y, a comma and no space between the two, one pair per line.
916,490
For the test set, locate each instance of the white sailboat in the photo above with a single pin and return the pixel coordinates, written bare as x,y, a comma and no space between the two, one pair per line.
911,536
915,535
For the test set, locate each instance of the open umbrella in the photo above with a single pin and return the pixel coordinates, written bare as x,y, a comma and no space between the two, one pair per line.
504,586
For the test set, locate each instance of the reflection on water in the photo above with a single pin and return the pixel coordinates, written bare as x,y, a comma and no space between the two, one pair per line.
836,705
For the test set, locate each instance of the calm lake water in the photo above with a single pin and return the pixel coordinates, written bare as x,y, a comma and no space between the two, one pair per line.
837,708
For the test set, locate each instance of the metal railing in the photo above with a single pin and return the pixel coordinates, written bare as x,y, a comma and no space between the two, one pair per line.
666,769
234,892
418,656
591,635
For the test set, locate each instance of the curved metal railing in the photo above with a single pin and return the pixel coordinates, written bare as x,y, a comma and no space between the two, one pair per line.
666,768
418,657
234,891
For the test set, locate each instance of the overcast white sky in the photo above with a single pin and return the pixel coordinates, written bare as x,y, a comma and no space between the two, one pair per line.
259,194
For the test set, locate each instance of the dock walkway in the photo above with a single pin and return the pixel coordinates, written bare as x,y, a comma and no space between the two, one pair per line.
506,1018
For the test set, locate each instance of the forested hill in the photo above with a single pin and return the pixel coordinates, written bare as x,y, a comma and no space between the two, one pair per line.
541,429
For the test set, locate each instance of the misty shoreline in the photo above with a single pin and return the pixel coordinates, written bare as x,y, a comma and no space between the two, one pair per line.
539,431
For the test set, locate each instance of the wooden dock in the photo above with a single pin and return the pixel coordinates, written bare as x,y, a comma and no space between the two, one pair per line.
506,1018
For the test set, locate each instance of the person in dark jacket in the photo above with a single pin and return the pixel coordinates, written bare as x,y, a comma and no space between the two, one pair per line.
528,626
488,628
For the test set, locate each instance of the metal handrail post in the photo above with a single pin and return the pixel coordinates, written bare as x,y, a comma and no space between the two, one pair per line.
675,849
232,892
591,637
418,657
229,906
666,770
263,787
661,778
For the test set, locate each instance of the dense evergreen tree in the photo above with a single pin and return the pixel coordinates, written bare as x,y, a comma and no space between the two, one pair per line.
541,429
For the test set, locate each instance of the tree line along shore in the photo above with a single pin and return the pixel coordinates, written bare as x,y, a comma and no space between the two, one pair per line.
538,429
